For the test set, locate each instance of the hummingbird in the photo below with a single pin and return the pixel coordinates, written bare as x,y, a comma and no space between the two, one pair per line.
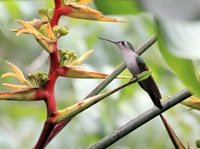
136,65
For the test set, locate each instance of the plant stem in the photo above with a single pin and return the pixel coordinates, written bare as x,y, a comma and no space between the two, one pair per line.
140,120
175,140
57,4
75,109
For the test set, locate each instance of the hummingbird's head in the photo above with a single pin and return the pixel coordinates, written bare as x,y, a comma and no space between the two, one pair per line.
123,45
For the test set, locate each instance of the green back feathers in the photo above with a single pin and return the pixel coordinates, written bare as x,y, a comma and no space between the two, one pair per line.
130,46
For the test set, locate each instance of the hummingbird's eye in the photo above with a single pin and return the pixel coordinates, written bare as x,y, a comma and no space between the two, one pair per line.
123,42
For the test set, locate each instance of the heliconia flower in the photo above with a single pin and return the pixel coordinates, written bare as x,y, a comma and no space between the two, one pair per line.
68,57
28,28
38,79
19,75
78,9
26,94
45,41
31,30
85,12
80,59
82,2
49,31
192,102
70,68
80,72
36,23
15,87
46,13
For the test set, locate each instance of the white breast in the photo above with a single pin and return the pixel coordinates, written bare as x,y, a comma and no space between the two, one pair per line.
130,61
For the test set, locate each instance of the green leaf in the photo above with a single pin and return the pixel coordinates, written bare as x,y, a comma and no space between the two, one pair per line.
183,68
144,75
117,6
182,39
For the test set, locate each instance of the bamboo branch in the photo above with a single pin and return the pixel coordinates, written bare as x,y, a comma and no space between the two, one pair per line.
140,120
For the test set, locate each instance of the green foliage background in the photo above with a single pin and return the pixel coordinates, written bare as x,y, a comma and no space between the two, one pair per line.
22,122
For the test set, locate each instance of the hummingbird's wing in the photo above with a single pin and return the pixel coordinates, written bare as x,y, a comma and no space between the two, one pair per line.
149,84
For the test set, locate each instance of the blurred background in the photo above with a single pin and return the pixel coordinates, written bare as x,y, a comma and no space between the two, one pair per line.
22,122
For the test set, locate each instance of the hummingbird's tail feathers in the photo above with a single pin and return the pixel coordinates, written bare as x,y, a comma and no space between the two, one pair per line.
151,88
156,100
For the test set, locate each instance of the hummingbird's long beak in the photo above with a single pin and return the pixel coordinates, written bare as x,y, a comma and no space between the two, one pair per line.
108,40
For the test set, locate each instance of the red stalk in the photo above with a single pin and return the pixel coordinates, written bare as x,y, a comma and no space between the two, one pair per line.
57,129
58,13
47,129
54,60
57,4
50,130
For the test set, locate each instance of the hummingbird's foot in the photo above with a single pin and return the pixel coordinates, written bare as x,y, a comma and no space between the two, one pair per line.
137,76
129,82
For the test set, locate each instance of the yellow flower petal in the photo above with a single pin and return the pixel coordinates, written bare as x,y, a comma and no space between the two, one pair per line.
69,61
80,59
18,74
16,30
15,87
26,82
24,31
9,74
49,31
194,99
28,26
34,23
83,2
